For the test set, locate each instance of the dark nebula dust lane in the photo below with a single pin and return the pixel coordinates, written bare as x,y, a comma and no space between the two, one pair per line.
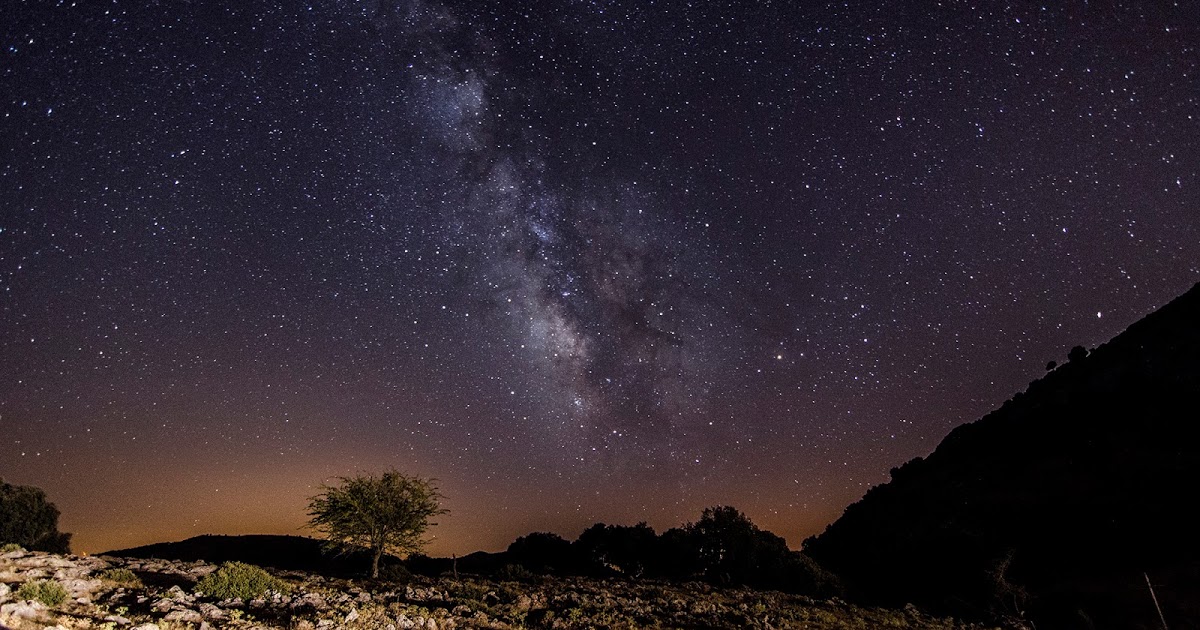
581,261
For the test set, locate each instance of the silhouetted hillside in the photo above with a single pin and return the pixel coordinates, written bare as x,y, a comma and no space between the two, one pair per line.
1055,504
280,552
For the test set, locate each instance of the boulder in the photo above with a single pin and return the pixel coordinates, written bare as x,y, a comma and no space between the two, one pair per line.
184,614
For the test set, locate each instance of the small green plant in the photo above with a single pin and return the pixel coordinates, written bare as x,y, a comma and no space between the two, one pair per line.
48,592
237,580
10,547
515,573
121,577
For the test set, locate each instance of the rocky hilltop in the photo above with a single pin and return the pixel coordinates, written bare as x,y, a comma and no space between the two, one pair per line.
148,594
1067,505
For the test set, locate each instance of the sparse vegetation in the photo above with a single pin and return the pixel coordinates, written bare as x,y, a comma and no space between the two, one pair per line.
241,581
514,573
48,592
10,547
121,577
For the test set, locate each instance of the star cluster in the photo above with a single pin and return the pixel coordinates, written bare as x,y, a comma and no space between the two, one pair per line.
581,261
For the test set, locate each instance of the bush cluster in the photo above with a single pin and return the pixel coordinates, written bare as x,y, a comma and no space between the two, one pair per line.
48,592
237,580
514,573
395,573
10,547
122,577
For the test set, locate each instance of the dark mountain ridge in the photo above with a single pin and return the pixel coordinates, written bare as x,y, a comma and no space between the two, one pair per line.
268,550
1059,506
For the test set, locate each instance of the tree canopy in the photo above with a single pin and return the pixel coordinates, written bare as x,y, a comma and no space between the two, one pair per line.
386,513
29,520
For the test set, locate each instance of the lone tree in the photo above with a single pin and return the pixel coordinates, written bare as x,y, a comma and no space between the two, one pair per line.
29,520
389,513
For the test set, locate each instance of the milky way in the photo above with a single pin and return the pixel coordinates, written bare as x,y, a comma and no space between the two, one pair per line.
581,261
586,269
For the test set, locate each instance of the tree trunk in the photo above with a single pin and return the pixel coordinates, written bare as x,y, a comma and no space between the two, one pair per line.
375,562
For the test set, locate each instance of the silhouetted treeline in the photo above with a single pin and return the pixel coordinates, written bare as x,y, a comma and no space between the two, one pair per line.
1056,507
723,547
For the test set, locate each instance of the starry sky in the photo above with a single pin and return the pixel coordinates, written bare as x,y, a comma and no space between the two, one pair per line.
580,260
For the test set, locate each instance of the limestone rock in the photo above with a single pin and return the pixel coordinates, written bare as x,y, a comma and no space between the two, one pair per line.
184,614
21,610
212,612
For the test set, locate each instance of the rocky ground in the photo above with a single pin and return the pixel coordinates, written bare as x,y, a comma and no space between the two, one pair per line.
162,598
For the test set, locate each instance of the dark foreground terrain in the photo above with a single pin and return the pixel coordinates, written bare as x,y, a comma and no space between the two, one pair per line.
163,597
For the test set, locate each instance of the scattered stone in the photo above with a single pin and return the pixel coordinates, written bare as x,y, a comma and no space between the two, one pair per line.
212,612
184,614
21,610
320,603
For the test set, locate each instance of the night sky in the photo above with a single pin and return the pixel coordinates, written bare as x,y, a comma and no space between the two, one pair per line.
608,260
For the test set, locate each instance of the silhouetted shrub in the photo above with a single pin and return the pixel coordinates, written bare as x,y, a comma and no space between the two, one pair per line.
797,573
422,564
1078,353
619,549
543,552
48,592
675,556
724,547
1051,365
514,572
236,580
906,468
731,549
395,573
29,520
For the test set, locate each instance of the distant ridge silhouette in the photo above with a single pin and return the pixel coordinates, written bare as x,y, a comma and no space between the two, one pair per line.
1059,504
267,550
